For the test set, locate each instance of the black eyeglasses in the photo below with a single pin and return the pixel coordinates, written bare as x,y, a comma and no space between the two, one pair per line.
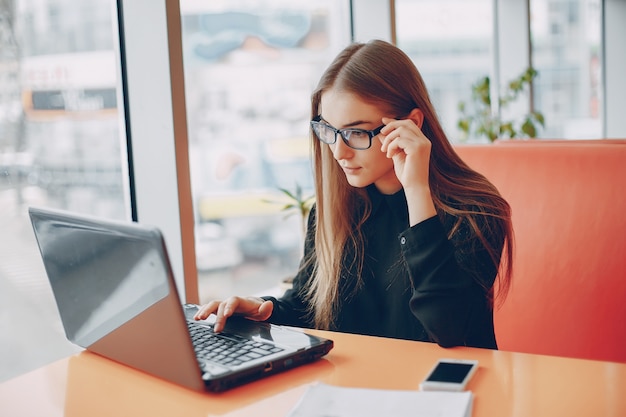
359,139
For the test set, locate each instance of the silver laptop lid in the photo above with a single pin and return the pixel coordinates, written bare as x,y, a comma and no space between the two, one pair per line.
115,292
116,295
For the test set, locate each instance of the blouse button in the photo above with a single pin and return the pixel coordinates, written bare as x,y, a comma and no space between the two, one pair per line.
403,240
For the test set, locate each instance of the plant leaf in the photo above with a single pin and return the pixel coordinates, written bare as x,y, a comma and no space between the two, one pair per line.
529,128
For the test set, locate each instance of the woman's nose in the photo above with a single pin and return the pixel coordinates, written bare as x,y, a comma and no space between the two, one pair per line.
341,150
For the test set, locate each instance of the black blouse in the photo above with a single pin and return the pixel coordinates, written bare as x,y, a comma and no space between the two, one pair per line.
415,283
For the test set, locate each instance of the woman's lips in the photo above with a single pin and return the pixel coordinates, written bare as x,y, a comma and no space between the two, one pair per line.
350,170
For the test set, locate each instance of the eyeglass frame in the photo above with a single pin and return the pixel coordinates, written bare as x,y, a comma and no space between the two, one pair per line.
317,120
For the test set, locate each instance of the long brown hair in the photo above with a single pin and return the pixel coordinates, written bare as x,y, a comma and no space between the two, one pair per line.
380,73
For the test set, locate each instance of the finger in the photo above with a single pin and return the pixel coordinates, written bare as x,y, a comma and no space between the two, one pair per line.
391,124
224,311
265,310
230,306
395,129
408,137
250,308
206,310
388,122
385,133
386,140
394,144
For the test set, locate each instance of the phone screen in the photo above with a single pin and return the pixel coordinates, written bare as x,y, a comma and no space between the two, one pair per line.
450,372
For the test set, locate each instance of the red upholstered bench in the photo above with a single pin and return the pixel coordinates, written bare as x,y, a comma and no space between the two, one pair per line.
568,198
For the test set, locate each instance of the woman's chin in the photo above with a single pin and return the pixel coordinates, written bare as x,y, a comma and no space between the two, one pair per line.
357,182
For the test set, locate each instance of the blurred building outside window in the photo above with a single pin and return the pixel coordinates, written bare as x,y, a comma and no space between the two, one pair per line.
61,146
566,51
250,68
452,42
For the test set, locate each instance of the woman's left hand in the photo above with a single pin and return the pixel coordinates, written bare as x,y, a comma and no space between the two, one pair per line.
404,142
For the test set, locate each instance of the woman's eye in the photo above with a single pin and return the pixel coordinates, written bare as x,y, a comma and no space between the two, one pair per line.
356,134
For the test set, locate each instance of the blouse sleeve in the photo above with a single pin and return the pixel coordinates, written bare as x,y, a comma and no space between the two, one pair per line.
451,283
291,309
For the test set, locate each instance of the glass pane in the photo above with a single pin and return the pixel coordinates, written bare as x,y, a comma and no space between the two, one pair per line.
450,42
566,48
250,68
61,146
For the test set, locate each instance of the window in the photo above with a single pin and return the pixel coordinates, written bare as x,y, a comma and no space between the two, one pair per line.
61,145
453,44
566,51
450,42
250,68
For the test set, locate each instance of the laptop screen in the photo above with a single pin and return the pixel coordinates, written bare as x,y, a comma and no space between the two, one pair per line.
101,278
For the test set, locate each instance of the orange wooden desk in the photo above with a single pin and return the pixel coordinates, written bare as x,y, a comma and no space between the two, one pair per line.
506,384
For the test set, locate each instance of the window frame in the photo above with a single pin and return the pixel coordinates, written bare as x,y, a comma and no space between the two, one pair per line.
156,130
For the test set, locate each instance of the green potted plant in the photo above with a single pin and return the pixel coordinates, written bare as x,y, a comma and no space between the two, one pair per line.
295,202
479,119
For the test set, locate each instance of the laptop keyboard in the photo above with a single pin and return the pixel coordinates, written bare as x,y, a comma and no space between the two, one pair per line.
226,349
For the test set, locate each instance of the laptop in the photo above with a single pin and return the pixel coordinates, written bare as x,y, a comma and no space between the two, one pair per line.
116,295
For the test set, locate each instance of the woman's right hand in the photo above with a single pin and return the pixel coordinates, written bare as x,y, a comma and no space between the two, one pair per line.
253,308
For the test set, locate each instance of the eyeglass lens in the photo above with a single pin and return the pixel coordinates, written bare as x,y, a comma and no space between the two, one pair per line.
354,138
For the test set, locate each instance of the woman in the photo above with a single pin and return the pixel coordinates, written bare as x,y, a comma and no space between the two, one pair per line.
405,240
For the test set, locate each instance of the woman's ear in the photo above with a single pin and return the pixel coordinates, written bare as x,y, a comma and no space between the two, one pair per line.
417,116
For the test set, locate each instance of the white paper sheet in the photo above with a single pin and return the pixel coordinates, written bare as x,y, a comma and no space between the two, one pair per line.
323,400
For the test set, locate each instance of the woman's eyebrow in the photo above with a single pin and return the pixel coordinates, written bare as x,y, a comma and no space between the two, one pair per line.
351,124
